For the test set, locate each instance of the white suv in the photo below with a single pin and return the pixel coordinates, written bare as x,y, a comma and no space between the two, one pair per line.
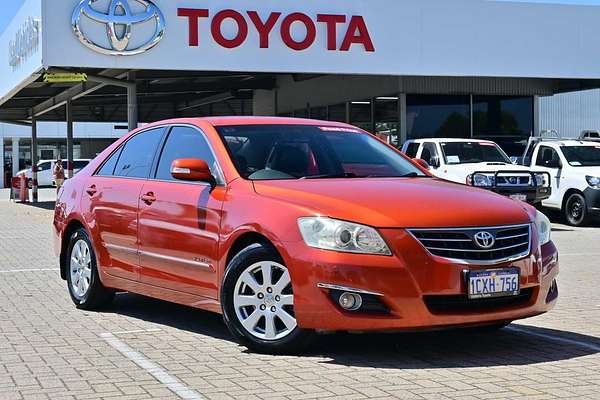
574,167
480,163
46,170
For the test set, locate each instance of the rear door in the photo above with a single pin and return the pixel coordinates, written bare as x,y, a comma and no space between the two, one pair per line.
110,203
180,221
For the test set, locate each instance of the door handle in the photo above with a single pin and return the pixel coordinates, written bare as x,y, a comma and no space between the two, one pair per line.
148,198
91,190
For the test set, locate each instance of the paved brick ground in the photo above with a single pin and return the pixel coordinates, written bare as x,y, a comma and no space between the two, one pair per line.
50,350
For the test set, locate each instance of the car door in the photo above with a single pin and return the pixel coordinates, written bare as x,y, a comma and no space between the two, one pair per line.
548,160
180,220
110,203
45,173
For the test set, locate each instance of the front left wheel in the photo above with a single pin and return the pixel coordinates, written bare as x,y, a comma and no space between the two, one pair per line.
85,288
258,302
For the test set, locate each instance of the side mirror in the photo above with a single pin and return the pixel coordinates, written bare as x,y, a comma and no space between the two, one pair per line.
422,163
514,160
435,161
191,169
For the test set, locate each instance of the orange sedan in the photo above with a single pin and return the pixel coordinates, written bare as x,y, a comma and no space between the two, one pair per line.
289,226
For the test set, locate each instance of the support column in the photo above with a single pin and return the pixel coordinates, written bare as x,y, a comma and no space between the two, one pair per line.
70,165
15,156
34,159
132,103
348,111
2,162
403,119
373,122
536,116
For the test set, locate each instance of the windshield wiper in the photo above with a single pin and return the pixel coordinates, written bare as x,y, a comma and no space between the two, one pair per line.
326,176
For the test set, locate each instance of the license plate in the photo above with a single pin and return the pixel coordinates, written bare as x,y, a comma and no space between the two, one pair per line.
493,283
522,197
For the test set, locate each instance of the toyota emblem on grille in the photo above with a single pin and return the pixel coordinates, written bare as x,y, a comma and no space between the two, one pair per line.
484,240
120,21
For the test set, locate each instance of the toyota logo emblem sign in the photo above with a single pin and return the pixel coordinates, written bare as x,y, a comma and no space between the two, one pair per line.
120,21
484,240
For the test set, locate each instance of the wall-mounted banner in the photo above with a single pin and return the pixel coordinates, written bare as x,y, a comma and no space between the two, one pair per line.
65,78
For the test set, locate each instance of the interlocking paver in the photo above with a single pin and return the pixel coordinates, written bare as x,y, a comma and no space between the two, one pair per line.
50,350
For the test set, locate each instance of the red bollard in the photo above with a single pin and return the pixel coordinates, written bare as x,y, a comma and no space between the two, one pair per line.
24,189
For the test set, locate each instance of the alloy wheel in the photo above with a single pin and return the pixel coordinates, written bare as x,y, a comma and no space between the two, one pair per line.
80,268
264,301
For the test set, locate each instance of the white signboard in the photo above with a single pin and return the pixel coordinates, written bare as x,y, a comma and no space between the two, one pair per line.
388,37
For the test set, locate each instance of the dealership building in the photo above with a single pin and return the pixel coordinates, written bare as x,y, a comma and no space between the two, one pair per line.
400,69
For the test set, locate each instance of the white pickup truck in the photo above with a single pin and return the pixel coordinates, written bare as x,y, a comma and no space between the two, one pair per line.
574,168
480,163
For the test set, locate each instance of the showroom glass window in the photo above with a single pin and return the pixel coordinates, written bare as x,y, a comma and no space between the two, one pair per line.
360,114
387,121
184,142
507,120
137,155
432,116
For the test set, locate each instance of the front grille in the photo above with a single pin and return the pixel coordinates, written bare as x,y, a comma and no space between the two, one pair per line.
461,303
511,242
513,180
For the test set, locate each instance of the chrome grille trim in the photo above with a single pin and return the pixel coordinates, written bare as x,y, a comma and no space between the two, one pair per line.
513,242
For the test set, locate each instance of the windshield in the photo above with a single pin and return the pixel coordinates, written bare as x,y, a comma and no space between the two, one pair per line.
272,152
473,152
582,156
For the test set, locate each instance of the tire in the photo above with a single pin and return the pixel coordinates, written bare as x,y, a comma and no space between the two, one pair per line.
575,210
83,282
259,315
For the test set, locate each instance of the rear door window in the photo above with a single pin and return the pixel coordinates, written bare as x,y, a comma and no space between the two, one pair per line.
108,169
138,154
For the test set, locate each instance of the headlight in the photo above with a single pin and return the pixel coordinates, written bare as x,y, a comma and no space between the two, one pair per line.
540,180
544,227
481,180
593,181
331,234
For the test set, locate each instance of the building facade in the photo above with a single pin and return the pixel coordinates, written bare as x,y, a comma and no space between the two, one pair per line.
401,69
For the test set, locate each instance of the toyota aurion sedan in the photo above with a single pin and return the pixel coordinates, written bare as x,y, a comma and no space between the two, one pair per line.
289,227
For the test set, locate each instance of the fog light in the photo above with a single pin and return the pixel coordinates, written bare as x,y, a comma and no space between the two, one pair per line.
350,301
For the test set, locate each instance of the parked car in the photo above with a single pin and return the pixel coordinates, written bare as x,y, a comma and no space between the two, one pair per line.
290,226
480,163
574,167
46,171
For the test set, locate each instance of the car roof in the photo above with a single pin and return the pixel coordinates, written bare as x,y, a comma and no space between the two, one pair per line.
570,142
64,160
450,140
255,120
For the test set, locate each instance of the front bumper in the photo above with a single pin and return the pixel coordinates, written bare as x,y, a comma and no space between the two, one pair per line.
408,282
534,195
592,199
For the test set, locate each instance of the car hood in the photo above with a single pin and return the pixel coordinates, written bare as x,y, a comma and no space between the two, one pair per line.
398,202
590,171
487,167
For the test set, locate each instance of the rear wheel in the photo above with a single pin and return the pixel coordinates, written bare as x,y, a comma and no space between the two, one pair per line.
258,302
576,210
85,288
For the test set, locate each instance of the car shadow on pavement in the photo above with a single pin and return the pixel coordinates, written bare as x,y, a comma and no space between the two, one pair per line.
43,205
522,345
